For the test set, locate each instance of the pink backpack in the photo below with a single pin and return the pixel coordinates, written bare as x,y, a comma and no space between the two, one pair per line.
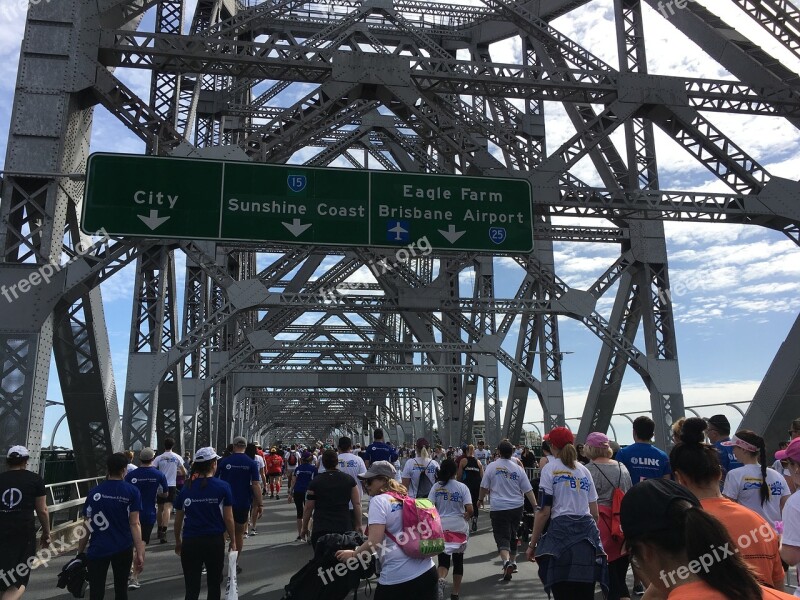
422,535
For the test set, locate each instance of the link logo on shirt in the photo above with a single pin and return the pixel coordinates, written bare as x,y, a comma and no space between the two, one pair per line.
578,484
506,474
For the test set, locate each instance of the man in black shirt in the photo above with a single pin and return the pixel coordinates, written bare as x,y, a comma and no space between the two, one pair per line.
328,498
21,493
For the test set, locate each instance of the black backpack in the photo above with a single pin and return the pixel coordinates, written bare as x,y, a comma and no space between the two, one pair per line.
424,484
308,584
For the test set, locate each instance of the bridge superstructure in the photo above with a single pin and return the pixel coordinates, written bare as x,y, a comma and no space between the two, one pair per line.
278,340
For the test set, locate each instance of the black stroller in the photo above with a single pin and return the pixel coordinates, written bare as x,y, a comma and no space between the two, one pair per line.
319,580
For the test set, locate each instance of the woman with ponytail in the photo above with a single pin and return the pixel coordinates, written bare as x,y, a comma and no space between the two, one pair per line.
685,552
453,500
755,485
696,466
570,555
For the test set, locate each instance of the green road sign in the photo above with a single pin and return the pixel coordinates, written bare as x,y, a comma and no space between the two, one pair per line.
161,197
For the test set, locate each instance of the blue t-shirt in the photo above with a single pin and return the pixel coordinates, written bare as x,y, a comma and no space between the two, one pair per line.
303,475
726,457
644,461
202,506
240,471
149,481
108,507
380,451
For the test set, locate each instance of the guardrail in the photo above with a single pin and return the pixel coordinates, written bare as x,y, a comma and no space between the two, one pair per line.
65,500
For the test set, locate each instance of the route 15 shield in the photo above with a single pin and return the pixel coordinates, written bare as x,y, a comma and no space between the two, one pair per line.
497,234
297,183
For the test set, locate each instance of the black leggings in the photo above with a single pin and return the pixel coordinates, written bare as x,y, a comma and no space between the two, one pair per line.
208,550
97,570
567,590
617,575
458,562
299,503
420,588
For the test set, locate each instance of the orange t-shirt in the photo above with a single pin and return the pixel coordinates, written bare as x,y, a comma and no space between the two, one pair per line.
274,463
700,590
757,542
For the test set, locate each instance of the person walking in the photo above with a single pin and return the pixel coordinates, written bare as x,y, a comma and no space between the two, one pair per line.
351,464
454,503
470,472
328,499
482,454
274,463
666,530
505,479
609,475
790,543
151,484
718,432
401,577
420,472
170,464
241,473
204,515
379,450
111,518
697,468
642,459
570,554
22,493
305,472
251,451
755,485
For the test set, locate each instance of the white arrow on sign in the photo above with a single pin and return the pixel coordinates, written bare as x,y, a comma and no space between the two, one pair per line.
153,221
295,228
451,235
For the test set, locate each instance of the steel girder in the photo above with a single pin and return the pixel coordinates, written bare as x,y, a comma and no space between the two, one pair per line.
34,207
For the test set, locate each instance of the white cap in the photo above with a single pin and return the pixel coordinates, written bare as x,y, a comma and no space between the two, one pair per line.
18,452
205,454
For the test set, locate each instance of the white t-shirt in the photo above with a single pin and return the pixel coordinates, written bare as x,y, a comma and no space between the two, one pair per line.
396,566
743,485
413,470
168,463
450,500
572,489
353,466
260,462
286,460
131,467
791,525
483,456
507,482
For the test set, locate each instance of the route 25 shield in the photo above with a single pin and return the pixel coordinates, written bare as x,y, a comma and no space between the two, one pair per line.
297,183
497,234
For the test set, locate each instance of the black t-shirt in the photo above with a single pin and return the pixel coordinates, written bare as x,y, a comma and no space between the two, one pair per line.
528,460
18,492
331,492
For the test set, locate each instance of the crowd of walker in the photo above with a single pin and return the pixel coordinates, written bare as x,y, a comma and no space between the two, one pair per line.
712,520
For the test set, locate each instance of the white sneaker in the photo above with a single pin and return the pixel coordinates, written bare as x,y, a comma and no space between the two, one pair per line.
440,589
133,584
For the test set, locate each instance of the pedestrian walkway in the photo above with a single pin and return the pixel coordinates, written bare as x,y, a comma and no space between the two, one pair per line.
272,556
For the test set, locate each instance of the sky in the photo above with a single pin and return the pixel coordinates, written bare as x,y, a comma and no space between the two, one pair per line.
739,284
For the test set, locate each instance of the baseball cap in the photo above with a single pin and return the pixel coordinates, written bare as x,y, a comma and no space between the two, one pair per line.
735,441
205,455
273,449
720,423
18,452
421,443
645,507
239,441
380,468
792,451
147,454
597,440
257,444
560,437
306,455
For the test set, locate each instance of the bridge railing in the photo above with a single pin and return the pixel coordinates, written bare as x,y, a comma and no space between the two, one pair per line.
65,500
